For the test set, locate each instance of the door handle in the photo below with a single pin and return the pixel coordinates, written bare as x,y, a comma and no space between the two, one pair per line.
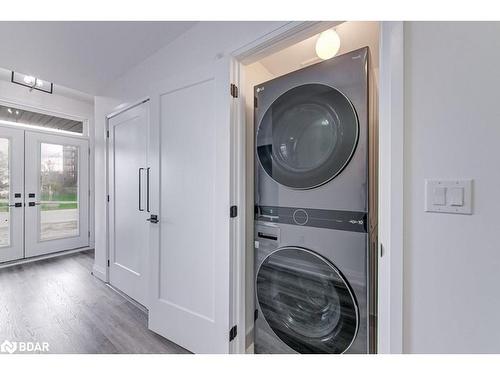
16,205
147,189
140,193
153,219
31,204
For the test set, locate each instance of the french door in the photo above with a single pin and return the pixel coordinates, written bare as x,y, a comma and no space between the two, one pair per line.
43,193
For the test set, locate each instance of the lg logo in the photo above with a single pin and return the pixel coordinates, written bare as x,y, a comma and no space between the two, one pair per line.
23,347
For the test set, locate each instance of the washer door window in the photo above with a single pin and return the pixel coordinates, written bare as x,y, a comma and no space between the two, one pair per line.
307,136
306,301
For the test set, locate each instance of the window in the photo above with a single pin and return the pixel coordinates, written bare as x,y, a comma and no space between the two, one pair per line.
12,116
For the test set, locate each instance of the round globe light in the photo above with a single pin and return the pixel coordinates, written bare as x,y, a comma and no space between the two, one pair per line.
328,44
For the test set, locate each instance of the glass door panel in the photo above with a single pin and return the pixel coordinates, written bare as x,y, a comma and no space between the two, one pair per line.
59,211
4,193
57,193
11,194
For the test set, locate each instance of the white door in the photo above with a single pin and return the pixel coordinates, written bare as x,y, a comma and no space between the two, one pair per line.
190,249
129,201
56,193
11,194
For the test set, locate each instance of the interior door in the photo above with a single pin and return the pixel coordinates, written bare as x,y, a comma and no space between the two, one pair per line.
129,201
56,193
190,251
11,194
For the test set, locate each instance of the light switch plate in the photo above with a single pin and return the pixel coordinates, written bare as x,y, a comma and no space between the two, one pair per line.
448,196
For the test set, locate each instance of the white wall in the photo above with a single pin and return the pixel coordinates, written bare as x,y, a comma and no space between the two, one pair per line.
452,130
204,42
64,102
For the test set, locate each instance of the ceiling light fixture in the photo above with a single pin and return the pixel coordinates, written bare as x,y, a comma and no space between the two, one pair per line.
32,82
328,44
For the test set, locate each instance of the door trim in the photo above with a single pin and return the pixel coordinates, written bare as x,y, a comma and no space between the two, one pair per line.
391,188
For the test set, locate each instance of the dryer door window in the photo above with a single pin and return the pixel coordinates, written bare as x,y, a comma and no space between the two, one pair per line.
307,136
307,302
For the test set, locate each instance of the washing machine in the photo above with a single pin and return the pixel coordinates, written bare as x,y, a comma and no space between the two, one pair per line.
311,290
311,203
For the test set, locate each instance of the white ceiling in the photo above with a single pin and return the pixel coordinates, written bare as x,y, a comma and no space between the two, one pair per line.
353,35
85,56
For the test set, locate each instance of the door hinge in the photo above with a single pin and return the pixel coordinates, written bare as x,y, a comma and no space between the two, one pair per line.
108,197
255,102
108,262
234,90
233,211
89,234
233,332
107,133
255,315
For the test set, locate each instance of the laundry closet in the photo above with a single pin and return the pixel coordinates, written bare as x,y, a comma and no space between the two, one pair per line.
311,194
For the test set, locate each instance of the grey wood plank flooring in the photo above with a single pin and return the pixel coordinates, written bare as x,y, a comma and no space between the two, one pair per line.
58,301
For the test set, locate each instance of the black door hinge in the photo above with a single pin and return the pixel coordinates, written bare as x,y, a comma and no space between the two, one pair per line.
233,211
108,262
255,102
107,133
234,90
255,315
233,332
108,198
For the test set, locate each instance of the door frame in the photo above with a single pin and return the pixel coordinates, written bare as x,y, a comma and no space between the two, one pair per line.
391,125
391,188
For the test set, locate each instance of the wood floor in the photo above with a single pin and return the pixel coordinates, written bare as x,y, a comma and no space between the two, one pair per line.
58,301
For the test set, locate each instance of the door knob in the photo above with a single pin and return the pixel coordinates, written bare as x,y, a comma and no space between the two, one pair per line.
16,205
153,219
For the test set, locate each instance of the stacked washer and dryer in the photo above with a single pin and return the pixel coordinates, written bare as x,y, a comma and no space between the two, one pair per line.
311,209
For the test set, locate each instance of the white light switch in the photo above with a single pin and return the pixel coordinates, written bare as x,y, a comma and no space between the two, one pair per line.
450,196
439,196
456,196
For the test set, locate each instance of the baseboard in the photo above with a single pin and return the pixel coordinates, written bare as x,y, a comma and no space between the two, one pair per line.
100,273
46,256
